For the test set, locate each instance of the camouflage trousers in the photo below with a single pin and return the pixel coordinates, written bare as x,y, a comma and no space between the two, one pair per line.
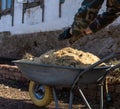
87,16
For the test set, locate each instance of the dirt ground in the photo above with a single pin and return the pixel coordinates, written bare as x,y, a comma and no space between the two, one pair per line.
14,95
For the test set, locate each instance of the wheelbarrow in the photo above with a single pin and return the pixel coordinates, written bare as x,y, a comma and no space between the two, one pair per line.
44,78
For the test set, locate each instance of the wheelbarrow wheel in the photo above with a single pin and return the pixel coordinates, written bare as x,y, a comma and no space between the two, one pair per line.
41,95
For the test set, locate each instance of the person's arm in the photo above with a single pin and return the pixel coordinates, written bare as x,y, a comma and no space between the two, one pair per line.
85,15
88,24
104,19
83,18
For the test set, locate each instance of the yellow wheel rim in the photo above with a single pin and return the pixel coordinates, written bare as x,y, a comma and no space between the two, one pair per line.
41,95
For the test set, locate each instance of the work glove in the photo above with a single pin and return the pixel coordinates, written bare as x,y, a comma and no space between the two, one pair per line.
72,37
65,35
75,38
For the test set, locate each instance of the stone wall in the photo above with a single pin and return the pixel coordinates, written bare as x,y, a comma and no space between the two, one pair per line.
101,43
15,46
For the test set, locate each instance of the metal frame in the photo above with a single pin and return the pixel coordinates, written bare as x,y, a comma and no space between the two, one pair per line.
101,84
31,5
76,80
60,7
8,11
0,8
82,95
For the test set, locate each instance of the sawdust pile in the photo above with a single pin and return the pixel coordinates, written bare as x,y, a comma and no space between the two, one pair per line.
67,57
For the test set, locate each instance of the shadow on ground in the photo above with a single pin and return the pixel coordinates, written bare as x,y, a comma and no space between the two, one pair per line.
17,104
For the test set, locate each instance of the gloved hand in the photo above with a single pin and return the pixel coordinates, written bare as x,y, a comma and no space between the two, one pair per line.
65,35
75,38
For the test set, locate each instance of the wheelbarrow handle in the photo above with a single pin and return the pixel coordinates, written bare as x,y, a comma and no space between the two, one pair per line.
117,53
93,66
114,67
117,65
110,69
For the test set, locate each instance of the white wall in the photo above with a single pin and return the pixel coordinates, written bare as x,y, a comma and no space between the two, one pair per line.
33,17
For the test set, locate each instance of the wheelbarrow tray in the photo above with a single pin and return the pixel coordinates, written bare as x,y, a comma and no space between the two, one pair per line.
58,75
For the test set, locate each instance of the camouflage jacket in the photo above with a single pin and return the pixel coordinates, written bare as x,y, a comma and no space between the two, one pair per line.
87,15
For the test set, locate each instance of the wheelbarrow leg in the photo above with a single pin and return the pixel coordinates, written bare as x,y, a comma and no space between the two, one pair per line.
70,99
85,100
101,96
55,98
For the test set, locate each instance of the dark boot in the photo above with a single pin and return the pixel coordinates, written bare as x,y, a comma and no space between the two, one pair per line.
65,35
